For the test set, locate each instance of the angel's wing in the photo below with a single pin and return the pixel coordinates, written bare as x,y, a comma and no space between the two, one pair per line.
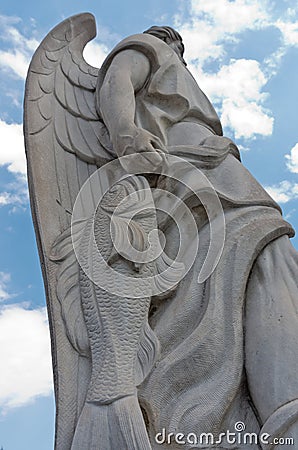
65,143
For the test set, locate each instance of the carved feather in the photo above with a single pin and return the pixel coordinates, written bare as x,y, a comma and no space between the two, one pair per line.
65,143
69,292
61,89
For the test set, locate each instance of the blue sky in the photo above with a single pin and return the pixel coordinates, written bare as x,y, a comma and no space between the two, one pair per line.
244,55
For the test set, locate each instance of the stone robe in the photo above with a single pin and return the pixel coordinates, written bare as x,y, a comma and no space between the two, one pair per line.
228,345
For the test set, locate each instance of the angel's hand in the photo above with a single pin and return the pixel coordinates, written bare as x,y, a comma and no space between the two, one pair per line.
148,150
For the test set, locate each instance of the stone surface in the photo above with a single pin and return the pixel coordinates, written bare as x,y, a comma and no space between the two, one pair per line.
171,282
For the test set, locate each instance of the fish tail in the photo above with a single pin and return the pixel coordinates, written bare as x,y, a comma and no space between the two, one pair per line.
117,425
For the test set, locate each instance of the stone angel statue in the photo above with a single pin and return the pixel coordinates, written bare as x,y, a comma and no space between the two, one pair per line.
66,142
168,269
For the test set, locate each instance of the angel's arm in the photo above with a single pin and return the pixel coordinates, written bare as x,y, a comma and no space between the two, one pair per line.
126,75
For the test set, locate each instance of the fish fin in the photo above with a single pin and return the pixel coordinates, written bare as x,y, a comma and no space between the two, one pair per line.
147,353
117,425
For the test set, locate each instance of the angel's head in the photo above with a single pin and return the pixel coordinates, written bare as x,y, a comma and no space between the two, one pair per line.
170,37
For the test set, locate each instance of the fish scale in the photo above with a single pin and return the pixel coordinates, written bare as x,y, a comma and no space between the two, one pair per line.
114,323
123,346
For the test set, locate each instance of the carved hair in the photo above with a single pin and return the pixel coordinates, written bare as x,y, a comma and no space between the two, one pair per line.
166,34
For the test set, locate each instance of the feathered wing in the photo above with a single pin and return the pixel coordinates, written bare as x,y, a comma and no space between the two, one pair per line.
65,143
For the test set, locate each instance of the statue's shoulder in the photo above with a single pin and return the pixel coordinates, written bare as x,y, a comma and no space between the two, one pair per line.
145,43
156,50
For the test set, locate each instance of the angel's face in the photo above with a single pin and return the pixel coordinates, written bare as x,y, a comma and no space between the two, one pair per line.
178,48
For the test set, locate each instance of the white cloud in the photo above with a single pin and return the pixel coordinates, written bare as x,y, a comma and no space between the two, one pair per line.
237,89
213,23
4,280
18,197
246,119
16,61
16,57
207,27
289,31
15,37
5,198
292,159
201,41
95,53
232,16
289,215
25,354
12,150
271,63
283,192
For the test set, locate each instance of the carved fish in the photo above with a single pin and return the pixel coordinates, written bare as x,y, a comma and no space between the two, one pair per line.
123,346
